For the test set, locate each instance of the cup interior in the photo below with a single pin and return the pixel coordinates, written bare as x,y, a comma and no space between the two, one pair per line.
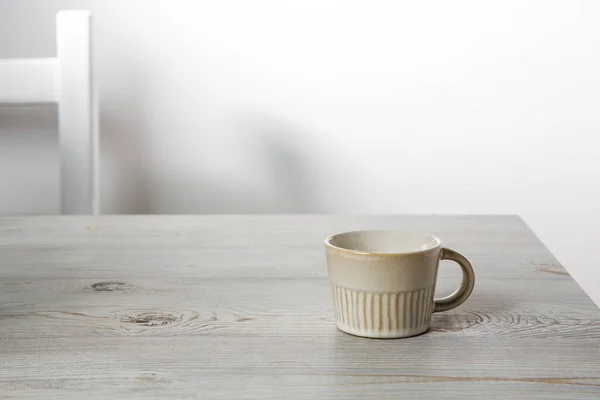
383,241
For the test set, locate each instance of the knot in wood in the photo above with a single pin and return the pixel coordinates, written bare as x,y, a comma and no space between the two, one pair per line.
151,319
109,286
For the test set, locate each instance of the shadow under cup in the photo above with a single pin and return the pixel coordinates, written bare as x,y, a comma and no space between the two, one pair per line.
383,281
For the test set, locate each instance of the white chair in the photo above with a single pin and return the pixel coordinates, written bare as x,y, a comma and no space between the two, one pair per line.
68,81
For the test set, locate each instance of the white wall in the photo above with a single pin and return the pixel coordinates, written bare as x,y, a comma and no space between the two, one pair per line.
321,106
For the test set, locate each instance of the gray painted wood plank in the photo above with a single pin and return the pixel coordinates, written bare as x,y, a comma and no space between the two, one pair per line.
239,306
91,308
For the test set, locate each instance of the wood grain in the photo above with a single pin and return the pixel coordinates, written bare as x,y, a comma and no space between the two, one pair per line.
240,307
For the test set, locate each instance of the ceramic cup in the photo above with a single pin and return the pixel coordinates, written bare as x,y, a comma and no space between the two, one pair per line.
383,281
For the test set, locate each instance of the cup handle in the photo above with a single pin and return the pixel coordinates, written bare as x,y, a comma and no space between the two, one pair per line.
466,286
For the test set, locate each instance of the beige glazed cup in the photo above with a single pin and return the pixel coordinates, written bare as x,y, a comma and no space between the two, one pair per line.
383,281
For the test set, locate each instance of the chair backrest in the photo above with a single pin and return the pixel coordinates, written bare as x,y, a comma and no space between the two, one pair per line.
66,80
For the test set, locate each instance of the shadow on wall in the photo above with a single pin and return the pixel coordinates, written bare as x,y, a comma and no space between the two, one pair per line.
274,174
287,167
158,138
276,178
125,186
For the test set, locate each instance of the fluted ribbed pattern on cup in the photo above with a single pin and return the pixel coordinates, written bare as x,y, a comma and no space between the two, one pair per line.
382,315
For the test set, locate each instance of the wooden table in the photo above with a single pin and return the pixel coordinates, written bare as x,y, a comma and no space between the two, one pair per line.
239,307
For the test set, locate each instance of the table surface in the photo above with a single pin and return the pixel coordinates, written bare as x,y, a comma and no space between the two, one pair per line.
239,306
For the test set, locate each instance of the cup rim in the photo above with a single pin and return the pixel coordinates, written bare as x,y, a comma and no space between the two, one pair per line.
378,254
